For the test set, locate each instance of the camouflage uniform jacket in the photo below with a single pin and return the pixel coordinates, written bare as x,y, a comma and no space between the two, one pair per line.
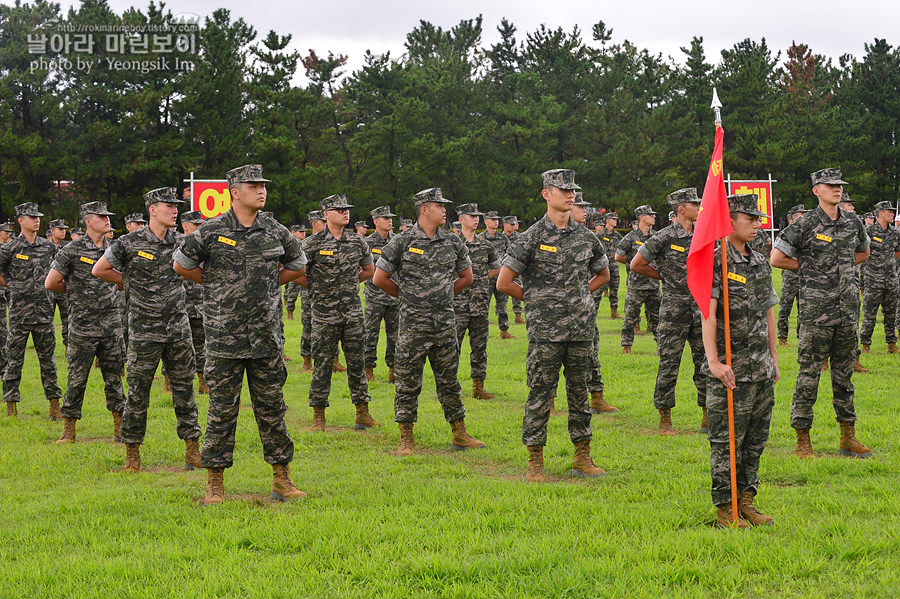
241,287
425,268
92,301
193,292
610,243
373,294
788,277
826,250
499,241
332,268
668,250
25,267
881,267
628,247
155,292
556,265
476,298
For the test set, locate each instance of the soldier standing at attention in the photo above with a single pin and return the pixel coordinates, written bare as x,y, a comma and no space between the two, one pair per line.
825,245
57,230
292,289
193,299
24,263
379,305
456,228
790,286
611,238
472,304
135,222
641,290
242,258
337,262
511,230
91,301
680,319
317,223
426,266
754,365
500,243
880,276
5,236
158,325
361,228
405,224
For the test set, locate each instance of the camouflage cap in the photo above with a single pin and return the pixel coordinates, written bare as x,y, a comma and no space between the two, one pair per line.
510,220
831,176
7,226
882,206
315,215
683,196
492,214
98,208
748,203
642,210
579,201
249,173
193,216
382,212
136,217
609,215
562,178
456,225
845,197
168,195
297,228
432,194
28,209
77,231
336,201
58,223
360,223
407,222
798,209
471,209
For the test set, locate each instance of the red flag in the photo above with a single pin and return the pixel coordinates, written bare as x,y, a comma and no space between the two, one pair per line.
713,224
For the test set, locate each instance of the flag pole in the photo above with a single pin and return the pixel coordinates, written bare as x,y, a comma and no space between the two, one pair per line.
716,106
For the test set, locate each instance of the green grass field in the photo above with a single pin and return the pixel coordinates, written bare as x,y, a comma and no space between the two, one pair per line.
447,524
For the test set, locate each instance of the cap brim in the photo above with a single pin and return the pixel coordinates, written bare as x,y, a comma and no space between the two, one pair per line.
758,213
347,206
389,215
835,182
260,180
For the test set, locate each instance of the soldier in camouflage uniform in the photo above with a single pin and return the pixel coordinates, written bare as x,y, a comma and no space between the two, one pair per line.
5,236
76,233
680,320
425,267
561,263
405,224
500,242
825,245
641,290
158,325
456,228
57,230
193,299
880,276
242,320
611,239
317,223
790,286
135,222
362,229
472,304
379,305
337,262
754,366
24,263
292,289
511,230
94,330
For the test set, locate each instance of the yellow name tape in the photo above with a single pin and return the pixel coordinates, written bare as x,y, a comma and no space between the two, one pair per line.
145,255
823,237
677,248
736,277
376,251
548,248
326,253
21,256
87,260
227,241
607,239
639,242
878,239
417,251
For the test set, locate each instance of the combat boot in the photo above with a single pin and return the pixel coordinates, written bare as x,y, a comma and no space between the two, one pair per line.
665,423
68,435
407,441
750,513
391,378
553,405
614,313
478,391
97,362
534,471
318,419
519,319
54,413
132,457
866,348
167,386
506,335
370,374
290,314
626,349
202,387
286,358
892,348
191,454
582,464
804,445
11,409
825,365
307,364
364,420
849,445
725,517
117,427
283,488
704,421
599,405
637,329
782,341
215,486
462,440
650,329
857,367
337,366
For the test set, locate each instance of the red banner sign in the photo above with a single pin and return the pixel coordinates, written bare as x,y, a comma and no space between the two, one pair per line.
211,198
763,190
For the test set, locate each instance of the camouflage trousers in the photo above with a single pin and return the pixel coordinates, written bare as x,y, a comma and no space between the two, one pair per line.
390,314
479,328
351,334
753,404
838,341
4,333
291,293
265,378
306,323
500,300
790,292
178,359
872,300
44,338
123,315
634,299
58,300
198,338
679,322
595,383
441,349
542,366
110,352
612,287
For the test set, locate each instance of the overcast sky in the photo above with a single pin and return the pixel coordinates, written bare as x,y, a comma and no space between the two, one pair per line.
662,26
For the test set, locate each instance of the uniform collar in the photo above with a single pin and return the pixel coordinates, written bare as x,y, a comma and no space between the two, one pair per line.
231,221
169,239
843,215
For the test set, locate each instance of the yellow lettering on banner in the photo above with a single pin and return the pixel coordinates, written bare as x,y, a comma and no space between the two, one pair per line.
548,248
326,253
677,248
639,242
823,237
227,241
376,251
145,255
878,239
86,260
221,201
417,251
21,256
736,277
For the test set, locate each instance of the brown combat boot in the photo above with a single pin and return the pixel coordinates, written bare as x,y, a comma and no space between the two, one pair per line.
892,348
626,349
665,423
215,486
857,367
849,445
704,420
117,427
132,457
750,513
637,329
478,391
599,405
725,517
649,330
782,341
286,358
11,409
307,364
202,387
337,366
825,365
614,313
462,440
283,488
318,419
519,319
391,378
191,454
534,471
97,362
804,445
167,386
582,464
68,435
407,441
506,335
290,314
553,405
364,420
370,374
866,348
54,413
